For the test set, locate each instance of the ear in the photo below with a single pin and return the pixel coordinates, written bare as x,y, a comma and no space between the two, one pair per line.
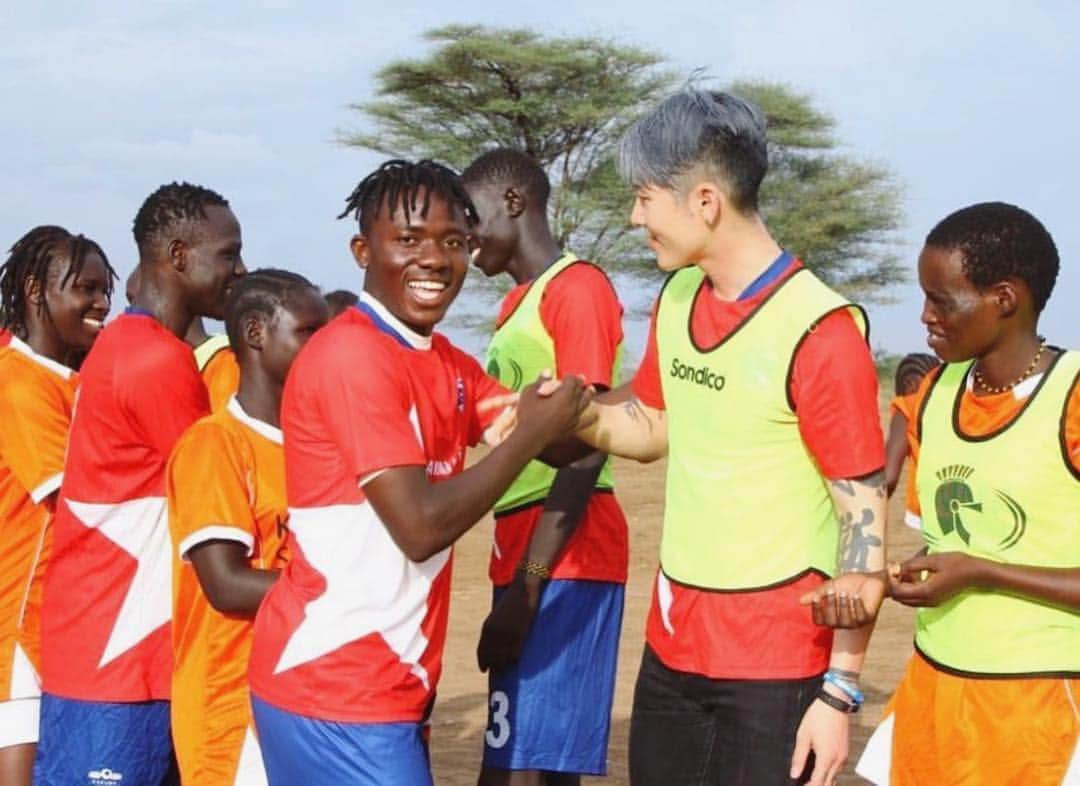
708,201
253,329
359,247
1008,294
178,255
515,200
34,291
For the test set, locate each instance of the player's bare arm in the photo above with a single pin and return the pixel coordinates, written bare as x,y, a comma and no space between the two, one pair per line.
930,579
850,601
504,631
626,427
231,585
424,518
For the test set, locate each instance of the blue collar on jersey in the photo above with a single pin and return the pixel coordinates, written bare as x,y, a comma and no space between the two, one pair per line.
141,312
768,276
382,324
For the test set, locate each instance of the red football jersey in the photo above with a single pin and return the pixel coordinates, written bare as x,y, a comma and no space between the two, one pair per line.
581,312
105,630
766,634
5,337
353,631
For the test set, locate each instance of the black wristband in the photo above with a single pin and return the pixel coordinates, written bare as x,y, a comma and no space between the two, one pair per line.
838,704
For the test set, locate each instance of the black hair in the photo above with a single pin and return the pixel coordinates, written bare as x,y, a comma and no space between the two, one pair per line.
33,257
509,167
916,365
263,292
170,205
399,183
341,299
998,241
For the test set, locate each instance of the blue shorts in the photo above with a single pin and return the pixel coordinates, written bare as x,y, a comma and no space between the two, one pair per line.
104,744
551,711
301,750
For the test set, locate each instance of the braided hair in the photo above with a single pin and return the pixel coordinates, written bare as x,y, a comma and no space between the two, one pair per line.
400,183
911,370
36,255
170,205
262,292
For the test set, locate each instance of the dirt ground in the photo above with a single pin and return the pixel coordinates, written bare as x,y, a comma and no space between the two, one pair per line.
460,714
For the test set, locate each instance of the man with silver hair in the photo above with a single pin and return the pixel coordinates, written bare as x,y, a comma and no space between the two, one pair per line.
759,386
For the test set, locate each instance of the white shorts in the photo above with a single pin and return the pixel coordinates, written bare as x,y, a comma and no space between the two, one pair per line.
19,721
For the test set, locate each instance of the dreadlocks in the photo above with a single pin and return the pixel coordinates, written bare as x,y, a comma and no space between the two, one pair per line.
910,372
35,256
402,183
260,292
169,206
505,166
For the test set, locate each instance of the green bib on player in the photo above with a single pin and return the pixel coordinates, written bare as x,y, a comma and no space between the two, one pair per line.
745,507
519,351
1010,496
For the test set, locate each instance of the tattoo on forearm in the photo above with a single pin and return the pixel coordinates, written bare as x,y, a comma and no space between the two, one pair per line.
856,544
636,412
845,486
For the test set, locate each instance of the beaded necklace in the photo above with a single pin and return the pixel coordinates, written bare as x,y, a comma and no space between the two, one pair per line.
980,381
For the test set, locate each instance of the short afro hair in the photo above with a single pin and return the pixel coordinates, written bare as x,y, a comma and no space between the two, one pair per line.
505,166
998,241
263,292
170,206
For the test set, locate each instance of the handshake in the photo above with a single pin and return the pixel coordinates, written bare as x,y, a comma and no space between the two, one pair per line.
544,412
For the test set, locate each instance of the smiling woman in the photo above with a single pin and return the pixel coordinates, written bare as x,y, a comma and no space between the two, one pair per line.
55,289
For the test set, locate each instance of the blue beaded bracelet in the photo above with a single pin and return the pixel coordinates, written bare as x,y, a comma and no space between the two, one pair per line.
850,690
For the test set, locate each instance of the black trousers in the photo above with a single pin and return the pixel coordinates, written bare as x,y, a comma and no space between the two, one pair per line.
689,730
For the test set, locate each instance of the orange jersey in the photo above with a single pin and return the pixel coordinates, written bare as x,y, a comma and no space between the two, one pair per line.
225,481
908,408
36,399
219,369
979,415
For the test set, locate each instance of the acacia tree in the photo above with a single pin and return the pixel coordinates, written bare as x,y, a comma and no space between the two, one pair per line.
567,101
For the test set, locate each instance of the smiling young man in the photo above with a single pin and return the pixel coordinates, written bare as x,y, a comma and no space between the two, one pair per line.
559,557
758,384
378,412
54,296
107,662
991,694
227,514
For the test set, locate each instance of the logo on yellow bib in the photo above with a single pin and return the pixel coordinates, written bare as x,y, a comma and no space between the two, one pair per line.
958,510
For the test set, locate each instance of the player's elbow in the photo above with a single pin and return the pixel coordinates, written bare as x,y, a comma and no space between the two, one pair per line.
418,544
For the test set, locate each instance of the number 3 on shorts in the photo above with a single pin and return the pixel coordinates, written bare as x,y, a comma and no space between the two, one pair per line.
499,733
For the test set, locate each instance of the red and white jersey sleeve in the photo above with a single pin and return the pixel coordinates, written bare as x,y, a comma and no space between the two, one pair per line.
107,601
354,631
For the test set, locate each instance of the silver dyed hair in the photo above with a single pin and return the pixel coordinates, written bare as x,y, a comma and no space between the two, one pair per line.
717,131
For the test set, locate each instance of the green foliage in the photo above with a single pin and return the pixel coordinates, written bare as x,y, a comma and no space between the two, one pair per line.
565,101
837,213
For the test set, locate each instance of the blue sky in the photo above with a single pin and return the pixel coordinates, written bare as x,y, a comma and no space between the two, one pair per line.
964,101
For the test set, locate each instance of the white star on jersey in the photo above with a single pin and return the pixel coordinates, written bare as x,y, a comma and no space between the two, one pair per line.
140,528
371,587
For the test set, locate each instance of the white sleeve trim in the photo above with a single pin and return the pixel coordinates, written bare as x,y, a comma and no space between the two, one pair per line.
47,488
216,532
370,477
913,520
